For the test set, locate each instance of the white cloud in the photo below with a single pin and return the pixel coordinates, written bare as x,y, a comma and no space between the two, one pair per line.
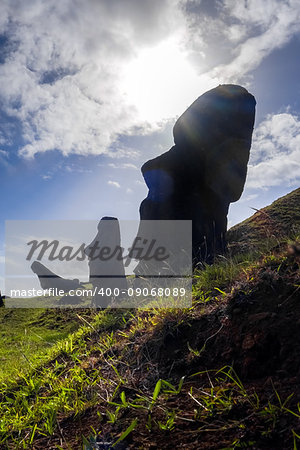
248,198
251,52
114,183
46,177
74,168
4,158
275,153
62,78
2,140
66,62
123,166
242,34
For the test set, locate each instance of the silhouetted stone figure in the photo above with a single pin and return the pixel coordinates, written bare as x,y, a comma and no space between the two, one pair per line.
49,279
205,170
106,265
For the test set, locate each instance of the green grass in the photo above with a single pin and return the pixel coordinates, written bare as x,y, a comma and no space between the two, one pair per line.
29,404
27,334
212,278
62,380
58,364
275,223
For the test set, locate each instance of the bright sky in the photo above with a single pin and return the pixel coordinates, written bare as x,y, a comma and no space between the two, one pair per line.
90,90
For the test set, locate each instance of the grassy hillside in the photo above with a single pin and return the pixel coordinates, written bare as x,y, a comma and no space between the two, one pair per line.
223,374
26,335
268,226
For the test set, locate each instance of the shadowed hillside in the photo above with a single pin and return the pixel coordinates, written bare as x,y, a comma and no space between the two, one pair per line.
269,225
223,374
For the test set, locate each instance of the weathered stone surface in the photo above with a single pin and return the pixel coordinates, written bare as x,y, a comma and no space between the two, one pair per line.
205,170
106,273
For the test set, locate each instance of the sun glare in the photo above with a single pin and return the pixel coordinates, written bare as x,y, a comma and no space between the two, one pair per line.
161,82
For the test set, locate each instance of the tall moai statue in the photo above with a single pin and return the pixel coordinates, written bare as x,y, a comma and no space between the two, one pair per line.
205,170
